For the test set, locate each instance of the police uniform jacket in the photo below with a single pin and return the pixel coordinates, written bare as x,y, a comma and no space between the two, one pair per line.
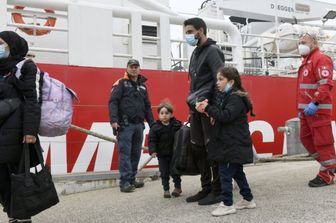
129,102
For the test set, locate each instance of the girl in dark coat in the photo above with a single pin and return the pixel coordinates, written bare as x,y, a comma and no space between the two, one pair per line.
230,141
21,126
161,142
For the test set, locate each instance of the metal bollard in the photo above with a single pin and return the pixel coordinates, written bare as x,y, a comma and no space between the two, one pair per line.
292,141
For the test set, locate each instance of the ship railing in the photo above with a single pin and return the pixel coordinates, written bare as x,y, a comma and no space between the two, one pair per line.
163,57
264,68
276,56
270,71
35,15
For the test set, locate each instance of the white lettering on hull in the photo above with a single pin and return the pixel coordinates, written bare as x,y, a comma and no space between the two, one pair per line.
104,149
267,132
56,146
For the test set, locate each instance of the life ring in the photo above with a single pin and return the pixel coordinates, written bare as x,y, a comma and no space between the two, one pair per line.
17,17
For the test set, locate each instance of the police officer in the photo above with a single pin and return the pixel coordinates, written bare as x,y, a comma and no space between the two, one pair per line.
129,105
314,98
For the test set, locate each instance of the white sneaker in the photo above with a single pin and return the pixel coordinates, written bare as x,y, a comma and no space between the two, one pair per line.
222,210
242,204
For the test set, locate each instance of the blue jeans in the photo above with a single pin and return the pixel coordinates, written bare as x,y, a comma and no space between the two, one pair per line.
228,172
164,167
129,147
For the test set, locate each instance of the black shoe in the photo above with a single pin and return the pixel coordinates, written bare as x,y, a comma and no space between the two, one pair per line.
166,194
138,184
200,195
318,182
127,189
210,199
176,192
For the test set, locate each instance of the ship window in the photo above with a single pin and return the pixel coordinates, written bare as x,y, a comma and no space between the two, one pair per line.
149,31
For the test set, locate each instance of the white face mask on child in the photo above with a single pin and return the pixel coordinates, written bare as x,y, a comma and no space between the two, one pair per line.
227,87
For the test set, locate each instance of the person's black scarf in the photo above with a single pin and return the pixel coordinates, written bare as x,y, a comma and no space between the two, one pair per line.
18,49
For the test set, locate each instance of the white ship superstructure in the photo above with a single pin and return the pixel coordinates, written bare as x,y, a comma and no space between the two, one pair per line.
258,38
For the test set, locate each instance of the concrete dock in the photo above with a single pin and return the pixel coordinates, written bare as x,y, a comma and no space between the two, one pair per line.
280,190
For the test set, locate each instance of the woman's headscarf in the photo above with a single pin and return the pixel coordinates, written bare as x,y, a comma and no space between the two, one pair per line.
18,48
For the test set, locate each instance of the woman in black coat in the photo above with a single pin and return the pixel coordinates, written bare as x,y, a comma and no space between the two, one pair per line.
21,126
230,141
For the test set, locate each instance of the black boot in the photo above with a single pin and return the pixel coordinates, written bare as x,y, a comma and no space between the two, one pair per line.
318,182
138,184
200,195
212,198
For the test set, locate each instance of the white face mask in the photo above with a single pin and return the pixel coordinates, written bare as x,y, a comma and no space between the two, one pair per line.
191,39
304,49
227,87
4,53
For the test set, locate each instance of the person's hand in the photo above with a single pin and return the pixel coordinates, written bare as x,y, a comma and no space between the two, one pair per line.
154,155
115,128
115,125
310,109
212,121
29,139
200,106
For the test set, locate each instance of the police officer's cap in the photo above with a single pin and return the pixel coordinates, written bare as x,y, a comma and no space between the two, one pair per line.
132,62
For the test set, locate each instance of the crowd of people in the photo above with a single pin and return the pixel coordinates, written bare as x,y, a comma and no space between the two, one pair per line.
218,116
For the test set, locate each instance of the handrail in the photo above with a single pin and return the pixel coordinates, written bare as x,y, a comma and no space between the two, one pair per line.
49,50
61,5
19,25
42,14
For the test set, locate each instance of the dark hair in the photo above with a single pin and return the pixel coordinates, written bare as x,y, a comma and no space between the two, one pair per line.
232,73
167,105
197,23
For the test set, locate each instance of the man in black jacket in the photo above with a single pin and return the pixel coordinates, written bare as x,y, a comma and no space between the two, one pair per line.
129,105
205,62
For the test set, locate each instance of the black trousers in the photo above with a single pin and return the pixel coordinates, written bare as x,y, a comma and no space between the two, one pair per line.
165,167
199,132
5,186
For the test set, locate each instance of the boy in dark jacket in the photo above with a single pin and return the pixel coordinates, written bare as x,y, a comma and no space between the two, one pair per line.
230,141
161,141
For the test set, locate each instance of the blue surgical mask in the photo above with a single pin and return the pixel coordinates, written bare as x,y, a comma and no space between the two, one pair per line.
191,40
3,52
227,87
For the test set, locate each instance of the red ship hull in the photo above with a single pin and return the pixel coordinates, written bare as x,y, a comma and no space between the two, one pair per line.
274,100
